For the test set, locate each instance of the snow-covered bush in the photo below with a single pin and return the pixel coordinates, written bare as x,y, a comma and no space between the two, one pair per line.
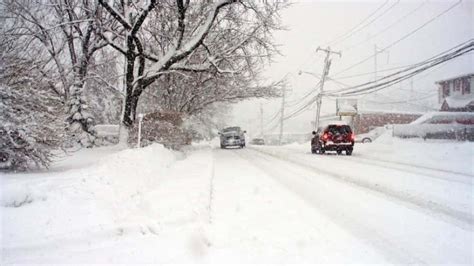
30,128
31,124
161,127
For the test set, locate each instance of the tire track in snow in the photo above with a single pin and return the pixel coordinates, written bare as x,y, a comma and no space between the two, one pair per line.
461,219
392,252
429,172
414,169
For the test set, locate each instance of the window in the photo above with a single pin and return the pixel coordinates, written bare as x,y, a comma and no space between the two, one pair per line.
457,85
445,86
466,86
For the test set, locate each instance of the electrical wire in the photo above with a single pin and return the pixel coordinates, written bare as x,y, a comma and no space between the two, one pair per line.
335,40
402,38
432,59
386,28
421,67
370,22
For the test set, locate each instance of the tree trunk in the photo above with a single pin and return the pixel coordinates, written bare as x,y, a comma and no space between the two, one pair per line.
80,121
131,104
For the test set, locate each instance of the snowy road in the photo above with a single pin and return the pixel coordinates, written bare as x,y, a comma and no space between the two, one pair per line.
261,204
394,220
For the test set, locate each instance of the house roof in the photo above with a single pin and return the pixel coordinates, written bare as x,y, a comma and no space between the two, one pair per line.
456,77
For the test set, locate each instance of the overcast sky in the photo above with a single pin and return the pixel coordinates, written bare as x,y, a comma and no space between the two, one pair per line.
318,23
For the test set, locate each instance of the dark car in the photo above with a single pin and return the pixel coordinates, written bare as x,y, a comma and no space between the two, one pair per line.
333,137
232,137
257,142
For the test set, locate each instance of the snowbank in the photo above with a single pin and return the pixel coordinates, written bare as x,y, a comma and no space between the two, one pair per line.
122,202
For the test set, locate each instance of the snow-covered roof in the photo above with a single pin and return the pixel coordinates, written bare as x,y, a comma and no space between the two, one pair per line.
459,101
456,77
443,115
373,111
335,122
346,108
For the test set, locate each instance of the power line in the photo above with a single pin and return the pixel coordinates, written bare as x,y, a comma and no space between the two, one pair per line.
390,83
372,72
306,95
387,28
335,40
403,37
405,67
370,22
412,71
301,109
414,66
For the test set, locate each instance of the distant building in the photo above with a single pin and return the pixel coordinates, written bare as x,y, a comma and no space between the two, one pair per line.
456,94
368,120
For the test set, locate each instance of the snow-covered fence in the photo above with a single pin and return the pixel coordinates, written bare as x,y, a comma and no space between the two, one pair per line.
107,134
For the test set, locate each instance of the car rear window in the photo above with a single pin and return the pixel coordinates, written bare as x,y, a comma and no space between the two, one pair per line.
339,129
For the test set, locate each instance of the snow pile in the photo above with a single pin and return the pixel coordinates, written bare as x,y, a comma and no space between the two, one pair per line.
132,201
440,154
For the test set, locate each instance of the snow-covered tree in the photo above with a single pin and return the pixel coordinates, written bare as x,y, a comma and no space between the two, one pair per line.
31,120
66,34
157,38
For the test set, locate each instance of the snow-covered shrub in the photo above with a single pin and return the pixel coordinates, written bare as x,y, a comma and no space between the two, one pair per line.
31,120
30,128
161,127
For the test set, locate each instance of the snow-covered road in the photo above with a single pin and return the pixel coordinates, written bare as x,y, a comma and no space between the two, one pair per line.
259,204
391,217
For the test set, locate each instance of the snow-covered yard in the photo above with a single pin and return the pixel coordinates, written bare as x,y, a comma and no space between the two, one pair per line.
393,201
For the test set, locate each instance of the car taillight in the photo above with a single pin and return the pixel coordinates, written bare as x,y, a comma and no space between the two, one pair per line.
353,136
325,136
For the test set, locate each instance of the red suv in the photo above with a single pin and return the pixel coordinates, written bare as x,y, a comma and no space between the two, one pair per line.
333,137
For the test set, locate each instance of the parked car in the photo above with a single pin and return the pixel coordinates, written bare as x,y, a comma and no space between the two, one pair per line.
257,142
232,137
333,137
371,135
439,125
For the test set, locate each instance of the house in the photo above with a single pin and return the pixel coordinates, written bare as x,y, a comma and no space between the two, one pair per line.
367,120
456,94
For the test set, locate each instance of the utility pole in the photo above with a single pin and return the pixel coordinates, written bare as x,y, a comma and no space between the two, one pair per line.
327,65
282,111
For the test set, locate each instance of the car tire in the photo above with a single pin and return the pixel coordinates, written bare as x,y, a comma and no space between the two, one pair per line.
366,140
349,152
313,151
339,152
222,146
